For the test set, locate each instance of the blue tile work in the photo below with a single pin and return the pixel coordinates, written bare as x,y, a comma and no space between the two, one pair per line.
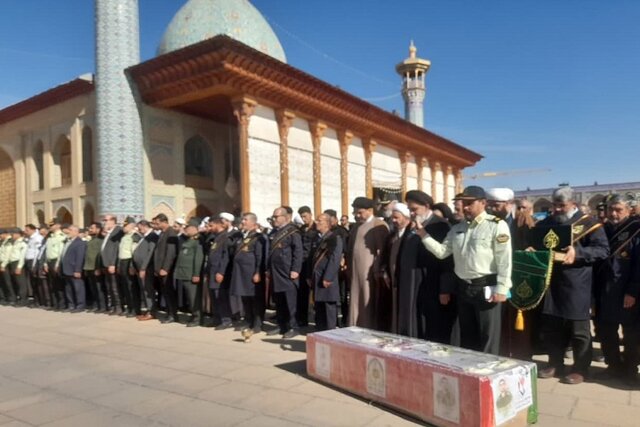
119,145
199,20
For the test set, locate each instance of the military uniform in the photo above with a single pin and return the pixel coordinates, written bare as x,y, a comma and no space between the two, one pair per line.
125,269
482,257
55,283
6,286
285,257
247,262
16,269
325,267
188,267
93,274
220,261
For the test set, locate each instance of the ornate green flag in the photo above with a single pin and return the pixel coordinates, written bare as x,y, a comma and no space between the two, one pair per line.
530,276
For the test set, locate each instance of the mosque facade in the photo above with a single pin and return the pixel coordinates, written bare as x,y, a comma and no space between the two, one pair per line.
216,121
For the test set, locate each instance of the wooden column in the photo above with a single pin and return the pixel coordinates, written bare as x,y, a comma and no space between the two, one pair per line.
344,139
369,146
420,164
243,109
458,180
317,132
285,121
435,167
447,197
404,159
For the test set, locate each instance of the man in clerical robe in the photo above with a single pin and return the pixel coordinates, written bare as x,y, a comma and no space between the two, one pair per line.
370,301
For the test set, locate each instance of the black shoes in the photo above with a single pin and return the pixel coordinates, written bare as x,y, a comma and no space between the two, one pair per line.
193,324
274,331
169,319
291,333
224,325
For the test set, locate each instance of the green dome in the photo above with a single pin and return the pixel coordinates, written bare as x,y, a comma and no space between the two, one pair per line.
199,20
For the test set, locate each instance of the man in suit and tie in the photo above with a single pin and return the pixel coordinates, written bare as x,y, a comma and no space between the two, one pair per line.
71,269
143,265
164,260
109,255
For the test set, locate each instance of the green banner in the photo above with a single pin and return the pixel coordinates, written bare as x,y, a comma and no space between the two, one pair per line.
530,276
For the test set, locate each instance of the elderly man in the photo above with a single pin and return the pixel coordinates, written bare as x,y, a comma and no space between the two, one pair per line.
367,241
109,257
482,263
435,310
566,310
283,267
71,266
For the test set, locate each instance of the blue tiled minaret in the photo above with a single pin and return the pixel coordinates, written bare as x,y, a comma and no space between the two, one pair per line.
119,145
413,71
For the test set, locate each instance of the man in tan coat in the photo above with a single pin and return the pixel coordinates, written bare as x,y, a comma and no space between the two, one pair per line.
370,294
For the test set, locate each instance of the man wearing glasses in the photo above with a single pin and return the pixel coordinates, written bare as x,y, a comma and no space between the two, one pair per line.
283,266
481,250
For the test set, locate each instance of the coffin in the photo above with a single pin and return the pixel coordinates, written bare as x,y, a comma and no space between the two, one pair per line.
442,385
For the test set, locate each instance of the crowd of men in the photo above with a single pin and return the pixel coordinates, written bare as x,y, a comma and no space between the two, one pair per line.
412,267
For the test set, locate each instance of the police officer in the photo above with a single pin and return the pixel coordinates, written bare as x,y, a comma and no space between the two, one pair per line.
189,268
247,274
284,266
5,276
325,267
618,282
126,273
481,251
16,266
55,283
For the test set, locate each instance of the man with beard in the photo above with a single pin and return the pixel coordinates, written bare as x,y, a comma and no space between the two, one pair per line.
343,277
482,264
143,267
109,256
246,277
434,313
164,259
188,270
220,264
92,268
283,267
566,306
309,236
325,267
500,202
367,241
618,283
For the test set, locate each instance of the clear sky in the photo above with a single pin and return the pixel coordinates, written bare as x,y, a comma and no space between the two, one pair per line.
528,84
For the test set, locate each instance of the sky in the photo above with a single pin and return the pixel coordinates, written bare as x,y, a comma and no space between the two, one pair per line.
550,86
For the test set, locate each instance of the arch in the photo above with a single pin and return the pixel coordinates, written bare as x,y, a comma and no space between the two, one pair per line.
62,162
64,215
88,214
199,212
7,191
164,208
87,154
38,162
198,163
542,205
40,217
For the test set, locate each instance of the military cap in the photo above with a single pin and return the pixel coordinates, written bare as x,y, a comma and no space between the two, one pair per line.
304,209
16,230
363,203
472,192
129,220
419,197
54,221
193,222
563,194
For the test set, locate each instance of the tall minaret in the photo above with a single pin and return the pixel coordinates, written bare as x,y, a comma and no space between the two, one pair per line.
414,72
119,146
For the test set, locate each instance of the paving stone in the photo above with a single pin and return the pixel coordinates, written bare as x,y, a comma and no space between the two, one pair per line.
551,421
195,413
604,412
230,392
50,410
266,421
275,402
556,405
101,418
330,413
588,390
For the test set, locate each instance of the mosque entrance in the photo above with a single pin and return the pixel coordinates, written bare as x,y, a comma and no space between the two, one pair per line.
7,191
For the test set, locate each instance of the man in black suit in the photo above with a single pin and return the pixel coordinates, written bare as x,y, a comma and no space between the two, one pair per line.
71,269
109,255
143,266
436,309
164,259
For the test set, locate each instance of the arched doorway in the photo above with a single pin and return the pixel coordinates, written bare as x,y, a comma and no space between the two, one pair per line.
62,162
64,216
88,215
7,191
40,217
199,212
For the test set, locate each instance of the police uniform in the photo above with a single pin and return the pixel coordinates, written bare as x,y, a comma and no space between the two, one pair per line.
6,286
126,279
16,268
247,262
285,257
325,267
482,258
55,283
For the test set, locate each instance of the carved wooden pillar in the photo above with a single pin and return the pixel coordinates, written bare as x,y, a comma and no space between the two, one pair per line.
404,159
420,164
243,109
435,167
344,138
317,131
447,197
369,146
285,121
458,180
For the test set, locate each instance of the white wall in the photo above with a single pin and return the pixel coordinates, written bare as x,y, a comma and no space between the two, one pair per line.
385,165
330,171
357,171
264,176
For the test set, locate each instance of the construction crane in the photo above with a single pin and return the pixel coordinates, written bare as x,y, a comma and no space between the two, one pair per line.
506,173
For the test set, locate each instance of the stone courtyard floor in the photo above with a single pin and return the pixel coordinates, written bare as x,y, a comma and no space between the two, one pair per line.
62,369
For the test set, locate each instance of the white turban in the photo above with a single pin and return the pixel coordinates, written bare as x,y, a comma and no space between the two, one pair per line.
227,216
500,194
403,209
181,221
